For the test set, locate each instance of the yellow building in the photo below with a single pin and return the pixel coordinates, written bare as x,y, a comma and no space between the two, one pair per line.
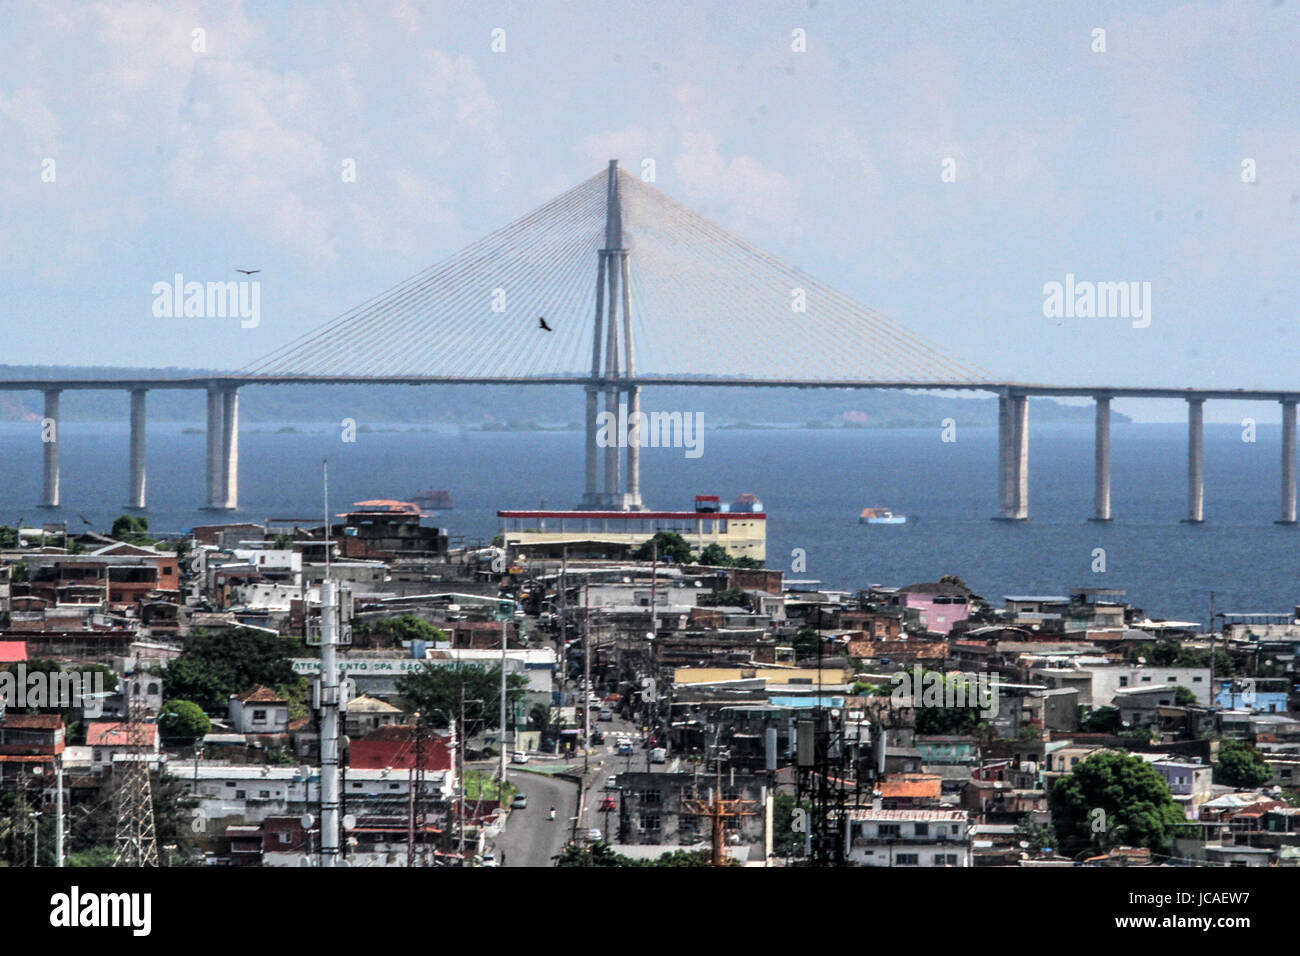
773,675
617,533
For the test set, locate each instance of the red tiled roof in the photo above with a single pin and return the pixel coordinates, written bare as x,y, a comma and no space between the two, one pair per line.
260,695
11,651
911,785
113,733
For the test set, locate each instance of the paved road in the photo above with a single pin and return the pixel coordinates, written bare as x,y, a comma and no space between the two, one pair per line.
529,838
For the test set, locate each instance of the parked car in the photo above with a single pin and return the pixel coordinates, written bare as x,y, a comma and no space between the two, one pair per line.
594,836
611,782
606,714
607,803
625,748
520,801
519,756
659,755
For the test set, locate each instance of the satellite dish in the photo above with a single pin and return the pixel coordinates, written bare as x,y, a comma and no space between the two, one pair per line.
1024,844
305,772
349,822
307,821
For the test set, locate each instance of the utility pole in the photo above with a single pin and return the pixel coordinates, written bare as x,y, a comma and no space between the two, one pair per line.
501,790
460,777
1214,695
586,680
58,811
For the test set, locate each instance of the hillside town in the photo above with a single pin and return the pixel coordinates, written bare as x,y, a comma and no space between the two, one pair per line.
650,696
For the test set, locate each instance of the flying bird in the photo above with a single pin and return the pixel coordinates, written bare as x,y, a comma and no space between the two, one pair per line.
248,272
541,323
86,520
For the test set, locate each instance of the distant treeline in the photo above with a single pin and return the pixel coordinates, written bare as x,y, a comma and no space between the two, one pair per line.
518,405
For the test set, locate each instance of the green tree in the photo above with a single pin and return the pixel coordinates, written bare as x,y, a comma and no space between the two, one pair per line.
92,856
182,722
672,546
435,692
216,664
1240,765
787,837
1039,836
716,556
805,642
1113,797
1100,720
8,537
1184,696
393,631
132,528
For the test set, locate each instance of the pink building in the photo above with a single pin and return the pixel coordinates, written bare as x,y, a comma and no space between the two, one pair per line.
941,605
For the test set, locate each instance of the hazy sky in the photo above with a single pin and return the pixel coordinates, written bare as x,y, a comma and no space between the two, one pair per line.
1122,165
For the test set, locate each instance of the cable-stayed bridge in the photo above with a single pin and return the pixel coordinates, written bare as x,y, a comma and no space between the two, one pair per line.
634,289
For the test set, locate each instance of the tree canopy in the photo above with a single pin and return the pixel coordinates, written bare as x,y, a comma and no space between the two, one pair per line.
216,664
1240,766
434,691
1114,798
182,722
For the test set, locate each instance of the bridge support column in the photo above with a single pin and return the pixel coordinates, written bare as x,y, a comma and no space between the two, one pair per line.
1101,462
215,495
591,494
634,448
1020,456
136,478
1288,462
1195,461
1004,457
230,449
50,441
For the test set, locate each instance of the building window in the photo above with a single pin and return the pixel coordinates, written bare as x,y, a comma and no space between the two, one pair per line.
887,830
650,821
907,859
240,794
651,796
284,836
264,794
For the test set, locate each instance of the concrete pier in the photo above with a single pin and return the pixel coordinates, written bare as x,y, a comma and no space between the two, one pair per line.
1020,456
1101,462
1004,457
136,477
230,449
1288,462
216,496
632,498
50,444
1195,461
1013,457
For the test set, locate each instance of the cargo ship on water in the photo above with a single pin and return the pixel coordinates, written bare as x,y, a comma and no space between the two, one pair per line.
431,500
880,516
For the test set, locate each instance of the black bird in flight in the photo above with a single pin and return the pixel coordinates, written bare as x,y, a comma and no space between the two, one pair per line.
541,323
248,272
86,520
